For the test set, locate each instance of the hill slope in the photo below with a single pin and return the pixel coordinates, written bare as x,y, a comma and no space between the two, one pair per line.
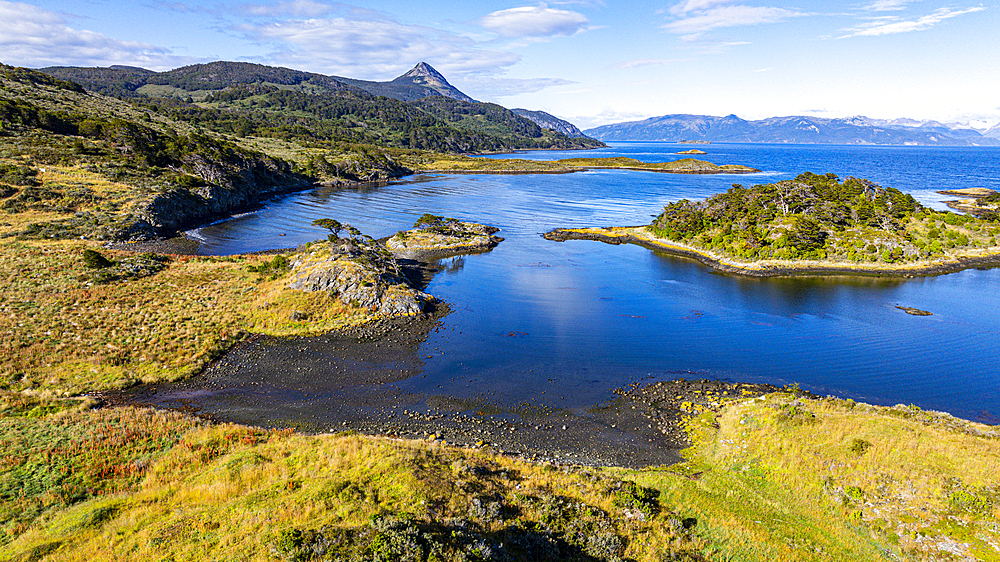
549,121
247,99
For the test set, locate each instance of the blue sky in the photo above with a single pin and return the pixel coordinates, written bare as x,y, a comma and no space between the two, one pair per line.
592,62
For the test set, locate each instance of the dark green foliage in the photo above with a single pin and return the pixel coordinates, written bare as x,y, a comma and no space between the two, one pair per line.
222,74
430,220
118,81
576,533
241,92
18,174
131,267
633,497
478,116
807,234
681,220
796,414
96,260
859,447
969,499
28,76
448,226
797,219
273,267
16,114
852,495
246,100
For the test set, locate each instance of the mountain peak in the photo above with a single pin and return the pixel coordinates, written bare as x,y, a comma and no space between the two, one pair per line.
425,75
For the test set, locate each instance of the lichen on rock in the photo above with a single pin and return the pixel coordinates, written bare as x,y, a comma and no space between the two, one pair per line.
433,236
359,273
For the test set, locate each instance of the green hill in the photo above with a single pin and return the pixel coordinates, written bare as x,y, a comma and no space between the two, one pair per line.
246,99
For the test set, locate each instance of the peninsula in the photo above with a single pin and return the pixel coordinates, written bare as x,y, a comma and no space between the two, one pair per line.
813,225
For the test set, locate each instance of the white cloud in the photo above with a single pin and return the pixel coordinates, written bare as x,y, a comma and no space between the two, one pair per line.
371,49
688,6
539,21
639,63
491,88
728,16
887,5
35,37
893,26
299,8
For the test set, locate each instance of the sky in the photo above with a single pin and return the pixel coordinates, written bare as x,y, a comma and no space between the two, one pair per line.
592,62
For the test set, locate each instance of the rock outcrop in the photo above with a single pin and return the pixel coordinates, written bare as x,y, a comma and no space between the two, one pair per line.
232,181
359,276
436,237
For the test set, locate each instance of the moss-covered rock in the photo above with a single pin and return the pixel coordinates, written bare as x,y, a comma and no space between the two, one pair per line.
433,236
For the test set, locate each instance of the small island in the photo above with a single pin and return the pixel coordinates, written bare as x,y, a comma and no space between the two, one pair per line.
467,165
692,151
975,200
814,224
435,237
367,274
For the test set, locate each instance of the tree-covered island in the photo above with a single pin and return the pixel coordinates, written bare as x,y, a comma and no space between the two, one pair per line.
814,224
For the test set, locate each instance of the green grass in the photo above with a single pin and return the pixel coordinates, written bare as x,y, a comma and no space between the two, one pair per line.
229,492
773,478
785,478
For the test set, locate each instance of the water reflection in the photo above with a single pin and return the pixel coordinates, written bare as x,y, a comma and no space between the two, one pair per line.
588,317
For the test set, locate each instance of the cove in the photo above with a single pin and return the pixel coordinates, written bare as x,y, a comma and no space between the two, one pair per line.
561,324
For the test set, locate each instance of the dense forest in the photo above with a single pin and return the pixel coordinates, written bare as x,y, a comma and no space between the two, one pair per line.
246,100
820,217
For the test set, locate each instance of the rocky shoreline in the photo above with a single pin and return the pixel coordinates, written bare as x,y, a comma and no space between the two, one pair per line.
640,236
348,381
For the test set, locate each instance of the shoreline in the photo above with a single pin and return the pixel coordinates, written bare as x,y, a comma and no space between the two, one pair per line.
360,387
574,170
640,236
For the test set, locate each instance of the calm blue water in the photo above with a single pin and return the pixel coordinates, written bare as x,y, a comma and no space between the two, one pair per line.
563,323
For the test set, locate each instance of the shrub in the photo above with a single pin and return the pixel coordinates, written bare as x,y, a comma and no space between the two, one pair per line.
859,447
95,260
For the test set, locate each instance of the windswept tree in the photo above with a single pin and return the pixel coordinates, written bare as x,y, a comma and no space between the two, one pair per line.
334,226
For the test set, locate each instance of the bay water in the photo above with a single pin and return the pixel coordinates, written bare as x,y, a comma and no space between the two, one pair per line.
562,324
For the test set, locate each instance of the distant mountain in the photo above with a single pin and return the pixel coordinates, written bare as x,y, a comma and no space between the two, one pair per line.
420,82
795,129
549,121
993,132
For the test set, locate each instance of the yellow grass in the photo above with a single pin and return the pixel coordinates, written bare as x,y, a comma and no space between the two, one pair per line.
63,334
824,479
211,497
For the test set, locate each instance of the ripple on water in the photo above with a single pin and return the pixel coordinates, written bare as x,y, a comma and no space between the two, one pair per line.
591,317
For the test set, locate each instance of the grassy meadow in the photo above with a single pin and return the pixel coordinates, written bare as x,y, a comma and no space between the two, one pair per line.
771,478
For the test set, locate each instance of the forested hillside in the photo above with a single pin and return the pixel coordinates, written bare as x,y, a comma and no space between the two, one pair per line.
245,99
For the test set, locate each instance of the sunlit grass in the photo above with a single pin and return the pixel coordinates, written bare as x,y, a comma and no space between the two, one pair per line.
776,478
228,492
64,334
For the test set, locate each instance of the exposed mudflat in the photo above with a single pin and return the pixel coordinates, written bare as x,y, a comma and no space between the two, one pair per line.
344,381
